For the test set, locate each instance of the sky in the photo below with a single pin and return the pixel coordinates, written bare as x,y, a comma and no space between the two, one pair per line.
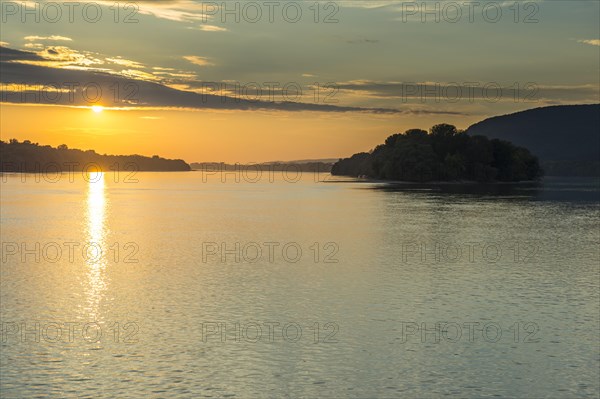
254,81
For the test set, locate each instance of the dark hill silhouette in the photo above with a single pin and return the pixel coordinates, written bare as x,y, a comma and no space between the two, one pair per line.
565,138
28,157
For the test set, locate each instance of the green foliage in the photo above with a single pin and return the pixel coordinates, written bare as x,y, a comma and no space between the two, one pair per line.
443,154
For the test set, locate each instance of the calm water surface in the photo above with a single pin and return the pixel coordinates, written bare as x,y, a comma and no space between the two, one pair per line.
306,289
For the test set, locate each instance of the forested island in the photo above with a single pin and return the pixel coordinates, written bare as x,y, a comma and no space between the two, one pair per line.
443,154
28,157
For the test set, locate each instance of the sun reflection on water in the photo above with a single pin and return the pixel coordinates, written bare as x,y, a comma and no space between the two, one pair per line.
96,242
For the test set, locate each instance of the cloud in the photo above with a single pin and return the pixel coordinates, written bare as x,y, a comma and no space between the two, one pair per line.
177,74
124,62
200,61
53,38
370,4
174,88
173,10
65,57
591,42
450,92
136,74
366,3
211,28
34,45
23,72
8,55
60,56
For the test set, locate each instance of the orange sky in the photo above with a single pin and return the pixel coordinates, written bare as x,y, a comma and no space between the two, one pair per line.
205,136
367,59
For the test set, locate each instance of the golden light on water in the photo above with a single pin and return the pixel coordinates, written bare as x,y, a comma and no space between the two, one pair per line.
96,241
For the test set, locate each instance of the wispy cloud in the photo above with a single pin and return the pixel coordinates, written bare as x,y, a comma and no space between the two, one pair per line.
408,92
173,10
51,38
60,56
397,4
34,45
196,60
366,3
124,62
591,42
210,28
137,74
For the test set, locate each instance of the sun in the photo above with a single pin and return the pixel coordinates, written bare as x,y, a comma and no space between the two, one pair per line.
97,108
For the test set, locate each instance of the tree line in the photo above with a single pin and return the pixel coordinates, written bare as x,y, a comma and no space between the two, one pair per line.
442,154
28,157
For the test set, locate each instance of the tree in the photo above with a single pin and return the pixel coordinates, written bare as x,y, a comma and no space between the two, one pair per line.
445,153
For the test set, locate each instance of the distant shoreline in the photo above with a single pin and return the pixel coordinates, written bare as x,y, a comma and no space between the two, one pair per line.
434,183
29,157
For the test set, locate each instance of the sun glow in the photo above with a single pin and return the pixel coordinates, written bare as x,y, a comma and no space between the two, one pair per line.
97,108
